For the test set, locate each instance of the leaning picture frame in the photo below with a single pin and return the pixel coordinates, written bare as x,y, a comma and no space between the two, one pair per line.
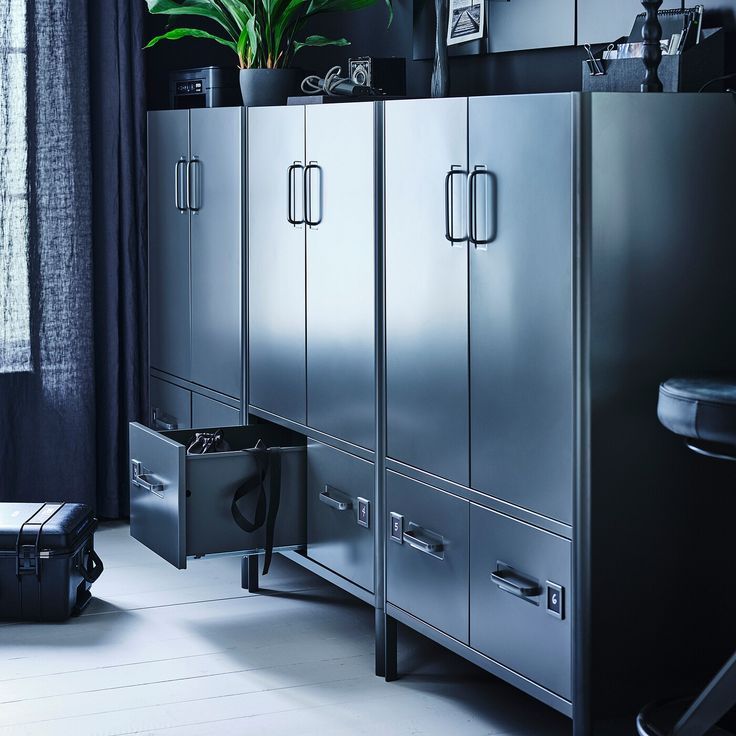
465,21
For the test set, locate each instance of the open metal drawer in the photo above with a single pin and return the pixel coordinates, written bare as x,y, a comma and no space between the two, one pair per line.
180,505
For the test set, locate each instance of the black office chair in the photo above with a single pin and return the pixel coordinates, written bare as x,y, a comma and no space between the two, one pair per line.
703,412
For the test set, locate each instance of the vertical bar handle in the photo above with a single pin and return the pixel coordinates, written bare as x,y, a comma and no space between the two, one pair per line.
308,210
489,204
193,185
179,174
455,170
291,195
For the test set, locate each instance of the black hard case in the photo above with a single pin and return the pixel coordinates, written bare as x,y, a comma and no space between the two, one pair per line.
47,560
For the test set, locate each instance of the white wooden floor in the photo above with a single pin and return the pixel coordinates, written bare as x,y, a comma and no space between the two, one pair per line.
188,653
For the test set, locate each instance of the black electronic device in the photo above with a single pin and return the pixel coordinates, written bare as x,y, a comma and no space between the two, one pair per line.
210,86
387,75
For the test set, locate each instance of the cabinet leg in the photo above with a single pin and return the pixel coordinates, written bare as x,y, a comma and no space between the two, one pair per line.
249,573
386,646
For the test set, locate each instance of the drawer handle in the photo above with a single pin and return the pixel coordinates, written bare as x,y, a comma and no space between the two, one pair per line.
428,546
163,421
332,502
507,579
144,480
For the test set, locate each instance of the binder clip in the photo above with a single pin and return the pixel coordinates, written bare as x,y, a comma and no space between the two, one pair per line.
595,66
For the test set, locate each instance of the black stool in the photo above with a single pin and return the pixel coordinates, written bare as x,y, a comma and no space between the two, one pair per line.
703,412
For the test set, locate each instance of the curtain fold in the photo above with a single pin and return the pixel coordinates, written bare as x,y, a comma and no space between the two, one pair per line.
64,413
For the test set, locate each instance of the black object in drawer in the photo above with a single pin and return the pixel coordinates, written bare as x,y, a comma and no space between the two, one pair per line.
180,504
427,554
340,490
520,598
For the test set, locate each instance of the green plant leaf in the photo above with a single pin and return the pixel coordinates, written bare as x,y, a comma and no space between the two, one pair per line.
339,6
239,10
178,33
203,8
320,41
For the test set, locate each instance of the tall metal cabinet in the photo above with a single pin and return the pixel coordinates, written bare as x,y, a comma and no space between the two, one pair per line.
195,265
312,282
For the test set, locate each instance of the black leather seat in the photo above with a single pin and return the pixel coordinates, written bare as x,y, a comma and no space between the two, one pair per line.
702,411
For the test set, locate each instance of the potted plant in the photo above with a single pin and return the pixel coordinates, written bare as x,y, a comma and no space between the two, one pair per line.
264,34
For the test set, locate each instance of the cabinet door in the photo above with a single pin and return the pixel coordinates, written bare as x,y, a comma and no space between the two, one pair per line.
426,286
168,242
340,272
215,198
210,413
521,297
529,24
276,262
171,405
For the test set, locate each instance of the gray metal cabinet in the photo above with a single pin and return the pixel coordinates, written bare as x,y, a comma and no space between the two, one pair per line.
341,271
208,412
529,24
215,201
195,246
427,285
168,242
427,554
520,598
276,261
340,508
180,505
521,301
171,406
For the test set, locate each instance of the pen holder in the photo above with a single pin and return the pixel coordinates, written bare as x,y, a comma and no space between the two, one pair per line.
685,72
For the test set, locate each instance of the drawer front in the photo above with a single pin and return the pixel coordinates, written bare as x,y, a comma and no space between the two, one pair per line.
181,504
340,506
171,406
520,617
427,554
209,413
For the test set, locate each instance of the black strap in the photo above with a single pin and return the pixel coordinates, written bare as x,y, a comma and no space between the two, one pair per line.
94,567
274,455
267,506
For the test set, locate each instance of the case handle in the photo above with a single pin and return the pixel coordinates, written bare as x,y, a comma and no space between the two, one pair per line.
94,567
510,581
433,547
145,480
334,503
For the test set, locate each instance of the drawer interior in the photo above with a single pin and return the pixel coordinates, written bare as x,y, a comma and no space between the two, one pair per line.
427,554
340,506
181,505
520,598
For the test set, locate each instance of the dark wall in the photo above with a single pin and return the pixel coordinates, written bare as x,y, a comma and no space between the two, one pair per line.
546,70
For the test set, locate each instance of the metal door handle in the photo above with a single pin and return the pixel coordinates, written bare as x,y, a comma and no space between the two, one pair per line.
291,202
507,579
311,166
179,173
163,421
455,170
145,480
332,502
490,202
429,547
193,185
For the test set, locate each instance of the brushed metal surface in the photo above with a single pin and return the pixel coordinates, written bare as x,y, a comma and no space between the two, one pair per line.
432,589
159,520
521,298
216,249
340,274
207,412
529,24
170,403
426,289
334,538
516,632
168,245
276,265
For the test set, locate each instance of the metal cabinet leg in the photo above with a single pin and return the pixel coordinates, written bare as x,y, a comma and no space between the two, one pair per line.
249,573
386,646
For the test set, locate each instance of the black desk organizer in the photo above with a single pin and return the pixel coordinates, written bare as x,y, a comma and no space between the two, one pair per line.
686,72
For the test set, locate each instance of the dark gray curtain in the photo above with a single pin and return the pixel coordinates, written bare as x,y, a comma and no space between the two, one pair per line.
68,391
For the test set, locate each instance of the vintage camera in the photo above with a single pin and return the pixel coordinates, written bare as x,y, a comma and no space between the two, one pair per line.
387,75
